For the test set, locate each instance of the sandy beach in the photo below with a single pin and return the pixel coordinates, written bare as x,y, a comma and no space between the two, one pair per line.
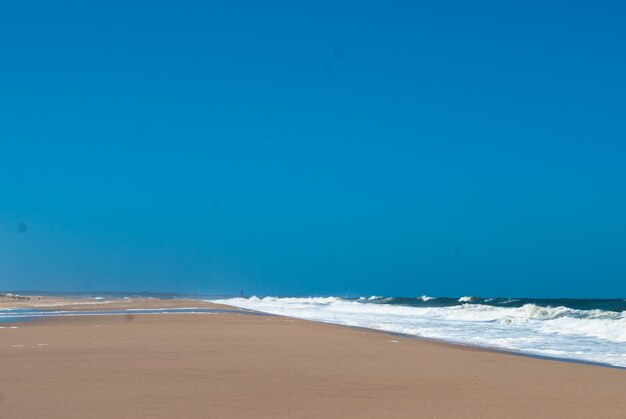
242,365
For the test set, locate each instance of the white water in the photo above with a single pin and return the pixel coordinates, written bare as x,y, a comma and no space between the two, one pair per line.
584,335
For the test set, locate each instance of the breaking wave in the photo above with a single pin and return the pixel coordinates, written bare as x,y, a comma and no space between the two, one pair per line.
594,335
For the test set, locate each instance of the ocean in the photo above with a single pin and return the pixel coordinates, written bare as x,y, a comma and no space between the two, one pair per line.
570,329
583,330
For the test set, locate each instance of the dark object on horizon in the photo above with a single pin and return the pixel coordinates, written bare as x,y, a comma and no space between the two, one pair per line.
241,293
22,227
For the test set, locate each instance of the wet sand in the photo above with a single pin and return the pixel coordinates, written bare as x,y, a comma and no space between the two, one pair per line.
238,365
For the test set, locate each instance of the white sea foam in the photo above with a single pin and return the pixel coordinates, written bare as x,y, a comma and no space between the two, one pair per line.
426,298
466,299
586,335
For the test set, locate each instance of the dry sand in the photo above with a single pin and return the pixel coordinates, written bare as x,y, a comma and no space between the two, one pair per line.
239,365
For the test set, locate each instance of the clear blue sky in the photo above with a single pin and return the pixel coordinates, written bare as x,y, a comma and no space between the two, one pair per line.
407,148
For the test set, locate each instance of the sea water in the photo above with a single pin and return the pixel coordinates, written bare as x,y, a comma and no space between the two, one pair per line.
573,329
20,315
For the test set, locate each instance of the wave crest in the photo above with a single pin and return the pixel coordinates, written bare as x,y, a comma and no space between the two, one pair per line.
593,335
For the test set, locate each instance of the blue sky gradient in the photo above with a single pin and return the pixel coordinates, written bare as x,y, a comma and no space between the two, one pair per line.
441,148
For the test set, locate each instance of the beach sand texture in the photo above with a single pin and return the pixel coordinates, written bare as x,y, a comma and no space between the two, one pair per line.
238,365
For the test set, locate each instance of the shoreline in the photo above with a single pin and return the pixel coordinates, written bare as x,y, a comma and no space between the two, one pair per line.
73,303
239,365
466,346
